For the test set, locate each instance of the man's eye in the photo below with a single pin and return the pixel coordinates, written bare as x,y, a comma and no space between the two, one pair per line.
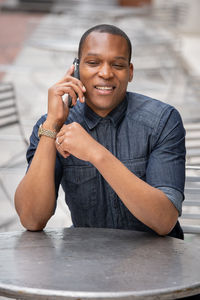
92,63
118,66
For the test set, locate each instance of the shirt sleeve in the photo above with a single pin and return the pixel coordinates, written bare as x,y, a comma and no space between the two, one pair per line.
174,196
34,140
166,164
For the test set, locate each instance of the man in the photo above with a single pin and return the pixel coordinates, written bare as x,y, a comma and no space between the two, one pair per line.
119,156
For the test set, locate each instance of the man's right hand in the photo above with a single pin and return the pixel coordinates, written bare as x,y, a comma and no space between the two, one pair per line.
58,109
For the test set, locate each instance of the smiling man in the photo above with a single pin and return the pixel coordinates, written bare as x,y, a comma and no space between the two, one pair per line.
119,156
107,55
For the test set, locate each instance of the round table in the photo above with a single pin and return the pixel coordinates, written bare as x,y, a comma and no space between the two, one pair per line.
89,263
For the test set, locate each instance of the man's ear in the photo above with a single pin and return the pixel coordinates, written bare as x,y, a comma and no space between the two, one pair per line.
131,72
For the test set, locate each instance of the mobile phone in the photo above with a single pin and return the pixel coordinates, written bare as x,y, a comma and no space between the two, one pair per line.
76,75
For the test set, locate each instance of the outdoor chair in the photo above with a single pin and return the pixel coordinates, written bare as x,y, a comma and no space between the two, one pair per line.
9,122
192,127
9,117
190,219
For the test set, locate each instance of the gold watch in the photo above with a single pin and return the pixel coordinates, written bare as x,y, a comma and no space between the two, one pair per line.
46,132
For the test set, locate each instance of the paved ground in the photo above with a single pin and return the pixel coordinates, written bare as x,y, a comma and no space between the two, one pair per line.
37,49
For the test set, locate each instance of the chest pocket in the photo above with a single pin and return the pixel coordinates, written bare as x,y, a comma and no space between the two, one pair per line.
80,185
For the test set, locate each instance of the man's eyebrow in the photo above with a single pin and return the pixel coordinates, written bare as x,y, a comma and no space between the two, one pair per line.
92,54
116,57
121,57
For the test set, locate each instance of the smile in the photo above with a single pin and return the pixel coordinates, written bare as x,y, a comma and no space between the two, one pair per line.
107,88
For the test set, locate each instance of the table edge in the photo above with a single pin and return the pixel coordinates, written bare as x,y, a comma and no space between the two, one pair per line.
8,289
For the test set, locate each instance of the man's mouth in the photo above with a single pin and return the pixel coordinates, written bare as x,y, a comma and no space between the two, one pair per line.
104,88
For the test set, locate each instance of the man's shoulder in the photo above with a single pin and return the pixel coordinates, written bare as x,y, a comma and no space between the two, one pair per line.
139,102
145,109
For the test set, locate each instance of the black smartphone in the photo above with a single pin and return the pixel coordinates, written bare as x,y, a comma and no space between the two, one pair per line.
76,75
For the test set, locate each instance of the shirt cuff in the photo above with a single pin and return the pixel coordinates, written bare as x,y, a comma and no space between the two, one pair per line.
174,196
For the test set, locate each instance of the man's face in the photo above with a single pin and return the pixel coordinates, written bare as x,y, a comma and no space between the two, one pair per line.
105,71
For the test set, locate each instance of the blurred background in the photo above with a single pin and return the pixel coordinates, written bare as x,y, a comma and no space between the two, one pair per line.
38,42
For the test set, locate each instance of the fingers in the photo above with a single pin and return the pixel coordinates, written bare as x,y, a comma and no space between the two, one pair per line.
74,88
73,139
69,77
61,133
71,89
60,141
59,148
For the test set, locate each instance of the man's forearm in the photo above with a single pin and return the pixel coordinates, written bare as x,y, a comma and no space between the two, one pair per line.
35,195
150,205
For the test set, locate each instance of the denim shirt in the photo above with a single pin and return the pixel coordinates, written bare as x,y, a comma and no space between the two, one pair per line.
147,136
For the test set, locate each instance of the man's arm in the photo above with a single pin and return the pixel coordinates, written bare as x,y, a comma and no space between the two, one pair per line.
35,196
147,203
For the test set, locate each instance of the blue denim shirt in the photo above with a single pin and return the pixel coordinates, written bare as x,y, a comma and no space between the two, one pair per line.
147,136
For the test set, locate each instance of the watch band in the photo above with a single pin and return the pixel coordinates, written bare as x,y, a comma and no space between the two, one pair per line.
46,132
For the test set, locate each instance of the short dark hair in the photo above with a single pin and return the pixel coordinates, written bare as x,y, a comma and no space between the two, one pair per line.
105,28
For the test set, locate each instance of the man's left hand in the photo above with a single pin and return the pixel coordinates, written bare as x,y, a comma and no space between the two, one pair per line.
74,139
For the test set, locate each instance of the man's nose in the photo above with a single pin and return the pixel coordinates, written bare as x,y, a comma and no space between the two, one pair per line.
105,71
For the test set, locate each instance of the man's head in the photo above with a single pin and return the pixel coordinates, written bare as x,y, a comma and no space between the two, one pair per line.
105,28
105,67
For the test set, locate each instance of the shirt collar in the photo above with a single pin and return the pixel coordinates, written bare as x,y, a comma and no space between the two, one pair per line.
116,115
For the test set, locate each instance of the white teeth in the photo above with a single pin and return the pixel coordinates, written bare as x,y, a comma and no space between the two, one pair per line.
104,87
